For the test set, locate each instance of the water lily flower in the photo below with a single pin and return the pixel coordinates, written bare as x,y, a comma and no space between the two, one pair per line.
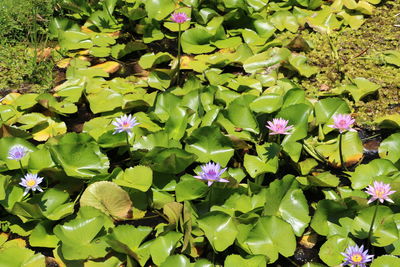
179,17
31,182
17,152
211,172
124,124
379,191
279,126
343,122
356,256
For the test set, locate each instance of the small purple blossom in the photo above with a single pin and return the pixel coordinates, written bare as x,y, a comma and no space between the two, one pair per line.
343,122
17,152
379,191
279,126
211,172
31,182
356,256
124,124
179,17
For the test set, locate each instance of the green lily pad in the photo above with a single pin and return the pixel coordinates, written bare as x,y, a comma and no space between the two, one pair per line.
390,148
392,57
138,177
168,160
241,116
79,239
196,41
219,228
330,251
271,236
79,156
384,233
386,261
266,59
285,199
267,103
163,246
210,145
359,89
127,239
154,10
267,160
149,60
238,261
17,257
43,236
299,62
285,20
55,204
364,174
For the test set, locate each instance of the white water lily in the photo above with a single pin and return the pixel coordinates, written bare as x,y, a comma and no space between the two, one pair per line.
31,182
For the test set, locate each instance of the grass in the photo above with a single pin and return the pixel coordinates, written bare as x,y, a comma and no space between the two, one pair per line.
359,51
23,32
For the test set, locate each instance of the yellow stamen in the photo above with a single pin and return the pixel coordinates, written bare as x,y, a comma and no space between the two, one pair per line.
356,258
30,183
379,193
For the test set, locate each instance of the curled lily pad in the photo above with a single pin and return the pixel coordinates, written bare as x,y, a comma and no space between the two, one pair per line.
109,198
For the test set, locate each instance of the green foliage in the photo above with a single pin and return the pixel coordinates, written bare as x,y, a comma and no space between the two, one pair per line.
17,19
135,199
19,71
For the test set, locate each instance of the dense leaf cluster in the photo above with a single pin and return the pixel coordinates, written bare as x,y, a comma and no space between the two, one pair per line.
287,195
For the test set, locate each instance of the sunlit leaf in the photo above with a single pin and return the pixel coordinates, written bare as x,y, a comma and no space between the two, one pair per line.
220,230
109,198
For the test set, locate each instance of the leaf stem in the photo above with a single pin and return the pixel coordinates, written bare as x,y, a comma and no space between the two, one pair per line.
259,179
22,168
372,222
179,54
343,165
129,147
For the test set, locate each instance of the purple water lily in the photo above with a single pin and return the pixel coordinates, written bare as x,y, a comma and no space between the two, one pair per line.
211,172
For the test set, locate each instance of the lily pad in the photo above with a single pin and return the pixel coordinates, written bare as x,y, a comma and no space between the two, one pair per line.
109,198
210,145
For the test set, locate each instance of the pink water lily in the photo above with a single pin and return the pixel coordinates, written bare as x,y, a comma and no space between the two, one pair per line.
179,17
343,122
211,172
379,191
279,126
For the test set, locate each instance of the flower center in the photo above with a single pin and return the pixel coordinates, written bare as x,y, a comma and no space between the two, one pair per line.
212,173
30,183
342,124
125,124
356,258
379,193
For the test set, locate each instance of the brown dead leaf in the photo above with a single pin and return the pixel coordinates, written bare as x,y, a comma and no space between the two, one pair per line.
309,240
85,29
108,66
63,63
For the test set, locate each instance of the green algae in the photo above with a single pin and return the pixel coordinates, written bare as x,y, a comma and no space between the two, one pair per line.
359,55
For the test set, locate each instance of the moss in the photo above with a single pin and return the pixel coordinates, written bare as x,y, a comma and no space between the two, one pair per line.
359,56
19,72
